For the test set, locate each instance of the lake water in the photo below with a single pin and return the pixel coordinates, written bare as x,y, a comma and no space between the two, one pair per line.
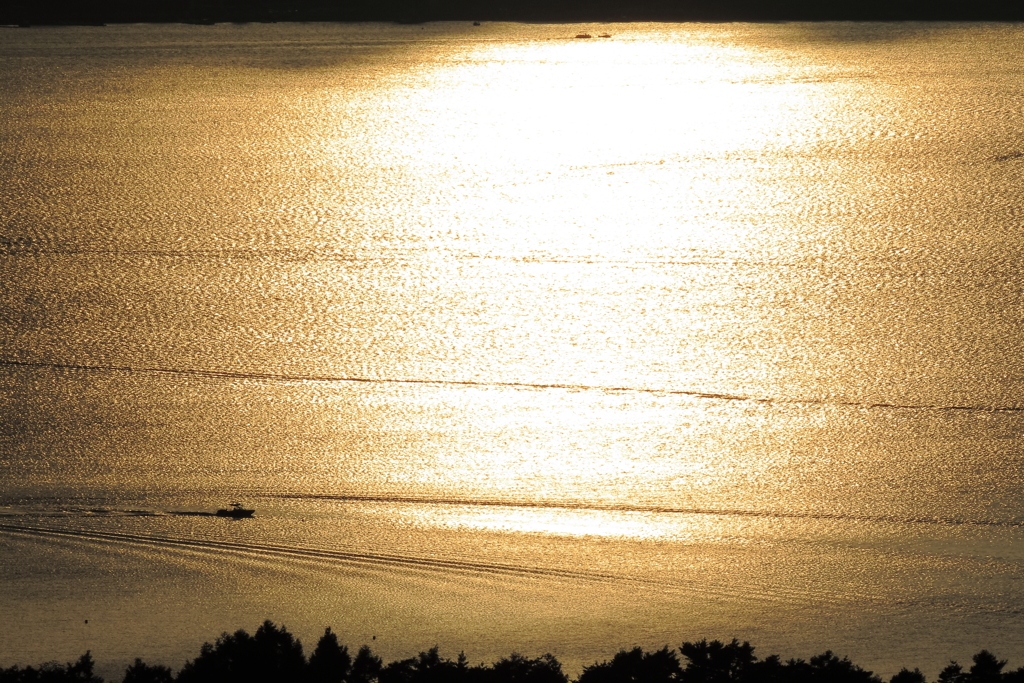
515,341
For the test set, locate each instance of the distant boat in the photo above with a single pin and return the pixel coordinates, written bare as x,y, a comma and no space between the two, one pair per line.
583,35
236,511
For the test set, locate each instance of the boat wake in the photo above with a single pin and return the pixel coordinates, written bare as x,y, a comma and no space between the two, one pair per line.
652,509
628,578
276,377
569,506
318,555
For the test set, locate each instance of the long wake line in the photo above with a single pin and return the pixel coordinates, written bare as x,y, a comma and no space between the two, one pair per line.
278,377
654,509
268,550
372,559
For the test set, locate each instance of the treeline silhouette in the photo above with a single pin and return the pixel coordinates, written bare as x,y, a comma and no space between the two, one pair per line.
29,12
273,655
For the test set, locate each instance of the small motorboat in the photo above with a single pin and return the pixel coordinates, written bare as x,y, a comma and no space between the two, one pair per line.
583,35
236,511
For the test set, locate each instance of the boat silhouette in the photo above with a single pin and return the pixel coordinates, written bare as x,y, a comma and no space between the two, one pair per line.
236,511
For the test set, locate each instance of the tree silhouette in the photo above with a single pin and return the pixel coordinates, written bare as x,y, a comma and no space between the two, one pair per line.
271,656
426,667
279,654
907,676
366,666
140,672
635,666
330,662
829,668
519,669
986,669
953,673
715,662
80,671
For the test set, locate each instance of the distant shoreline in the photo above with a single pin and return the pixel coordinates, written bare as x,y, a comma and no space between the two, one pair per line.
69,12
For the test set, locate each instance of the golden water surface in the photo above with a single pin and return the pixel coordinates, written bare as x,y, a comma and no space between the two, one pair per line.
516,341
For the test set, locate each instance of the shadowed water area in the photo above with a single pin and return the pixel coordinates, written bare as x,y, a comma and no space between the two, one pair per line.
514,340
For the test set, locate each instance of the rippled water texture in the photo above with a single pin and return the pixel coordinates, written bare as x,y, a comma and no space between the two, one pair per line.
515,341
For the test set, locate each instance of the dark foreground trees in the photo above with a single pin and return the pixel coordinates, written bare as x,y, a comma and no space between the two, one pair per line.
52,672
273,655
717,662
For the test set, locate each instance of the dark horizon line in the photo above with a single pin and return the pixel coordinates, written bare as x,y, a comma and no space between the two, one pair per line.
100,12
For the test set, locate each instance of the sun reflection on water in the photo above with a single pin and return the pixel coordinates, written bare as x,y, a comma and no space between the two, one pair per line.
570,522
588,147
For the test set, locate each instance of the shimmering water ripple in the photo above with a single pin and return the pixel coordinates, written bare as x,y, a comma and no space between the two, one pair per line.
691,331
